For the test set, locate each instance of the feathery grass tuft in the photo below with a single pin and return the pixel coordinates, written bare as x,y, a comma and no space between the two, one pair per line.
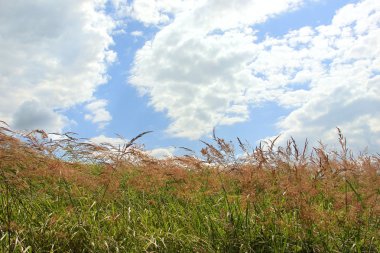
60,193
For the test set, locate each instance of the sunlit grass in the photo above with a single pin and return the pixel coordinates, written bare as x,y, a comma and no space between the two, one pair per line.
66,195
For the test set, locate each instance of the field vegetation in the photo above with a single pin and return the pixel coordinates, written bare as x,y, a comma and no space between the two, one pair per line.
60,193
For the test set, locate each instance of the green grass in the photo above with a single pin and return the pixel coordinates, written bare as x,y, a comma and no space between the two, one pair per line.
124,201
59,216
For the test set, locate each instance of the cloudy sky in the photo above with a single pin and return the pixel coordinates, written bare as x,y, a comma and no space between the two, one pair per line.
248,68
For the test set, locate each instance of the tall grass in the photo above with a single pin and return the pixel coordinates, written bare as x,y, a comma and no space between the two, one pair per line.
68,195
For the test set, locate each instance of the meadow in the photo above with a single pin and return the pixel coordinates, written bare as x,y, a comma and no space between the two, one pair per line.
65,194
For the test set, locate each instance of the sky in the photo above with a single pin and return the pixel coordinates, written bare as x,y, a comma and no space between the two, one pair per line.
247,68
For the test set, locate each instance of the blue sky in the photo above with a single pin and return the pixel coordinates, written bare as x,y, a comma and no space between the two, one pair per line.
249,69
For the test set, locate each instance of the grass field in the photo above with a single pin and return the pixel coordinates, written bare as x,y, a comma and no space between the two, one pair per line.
67,195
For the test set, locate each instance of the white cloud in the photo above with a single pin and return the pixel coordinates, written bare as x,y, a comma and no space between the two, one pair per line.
164,152
342,62
137,33
199,75
33,115
102,139
98,113
206,68
209,14
155,12
52,52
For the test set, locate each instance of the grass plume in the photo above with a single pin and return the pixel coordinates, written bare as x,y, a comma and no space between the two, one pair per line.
60,193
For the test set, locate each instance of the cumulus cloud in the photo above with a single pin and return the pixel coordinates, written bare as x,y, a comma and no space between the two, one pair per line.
164,152
101,139
341,64
153,12
53,52
98,113
33,115
205,70
137,33
196,68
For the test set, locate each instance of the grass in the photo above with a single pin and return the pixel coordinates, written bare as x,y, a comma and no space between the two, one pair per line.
66,195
